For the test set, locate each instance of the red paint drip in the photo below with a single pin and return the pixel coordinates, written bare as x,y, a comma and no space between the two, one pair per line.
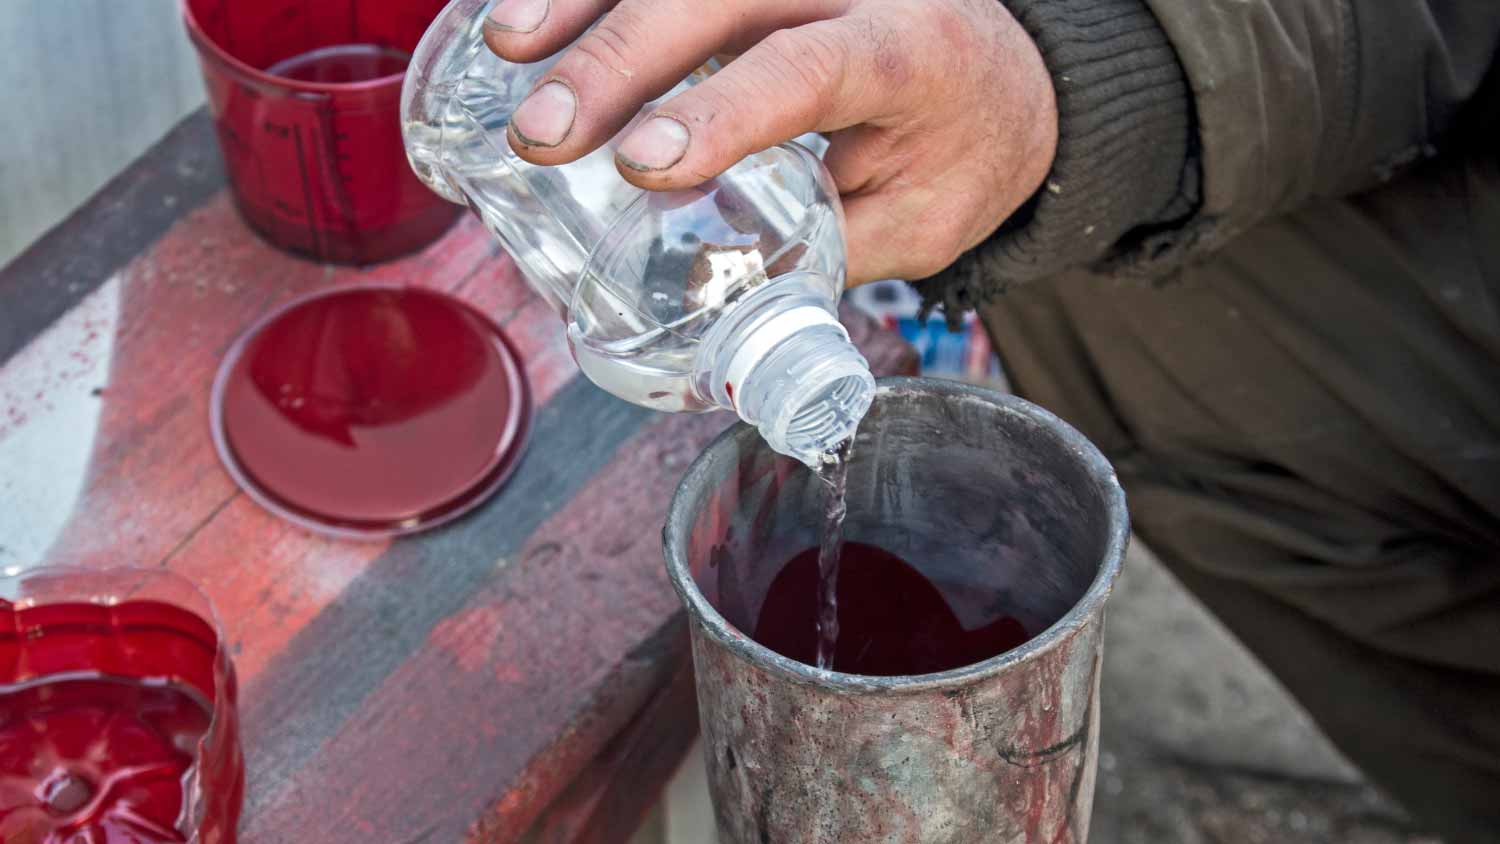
893,620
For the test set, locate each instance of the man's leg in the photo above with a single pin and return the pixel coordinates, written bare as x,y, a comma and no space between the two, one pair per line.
1308,428
1426,731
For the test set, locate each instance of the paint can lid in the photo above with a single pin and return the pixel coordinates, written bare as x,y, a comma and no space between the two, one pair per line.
371,411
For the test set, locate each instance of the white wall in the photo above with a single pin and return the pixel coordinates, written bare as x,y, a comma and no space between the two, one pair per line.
86,86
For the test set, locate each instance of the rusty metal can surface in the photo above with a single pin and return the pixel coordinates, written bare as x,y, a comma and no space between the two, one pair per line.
1025,510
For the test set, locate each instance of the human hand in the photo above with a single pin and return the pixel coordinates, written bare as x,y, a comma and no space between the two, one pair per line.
940,113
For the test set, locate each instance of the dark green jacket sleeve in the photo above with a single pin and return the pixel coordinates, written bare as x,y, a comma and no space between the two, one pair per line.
1184,122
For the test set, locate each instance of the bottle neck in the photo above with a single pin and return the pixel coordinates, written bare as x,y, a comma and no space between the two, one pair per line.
788,367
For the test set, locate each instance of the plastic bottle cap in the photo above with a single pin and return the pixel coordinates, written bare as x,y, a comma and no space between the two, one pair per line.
768,336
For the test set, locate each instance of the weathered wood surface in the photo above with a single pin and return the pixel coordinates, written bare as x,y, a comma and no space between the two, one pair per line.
520,675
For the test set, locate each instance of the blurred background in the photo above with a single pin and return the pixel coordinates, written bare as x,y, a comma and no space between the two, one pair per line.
1201,745
89,86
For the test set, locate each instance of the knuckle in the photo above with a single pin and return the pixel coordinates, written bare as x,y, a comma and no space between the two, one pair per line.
956,37
889,54
610,46
713,104
813,60
953,24
712,101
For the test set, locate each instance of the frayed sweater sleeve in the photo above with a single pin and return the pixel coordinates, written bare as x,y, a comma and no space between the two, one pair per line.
1124,163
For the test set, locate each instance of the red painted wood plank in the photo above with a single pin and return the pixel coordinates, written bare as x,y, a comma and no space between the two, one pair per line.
608,799
525,684
540,668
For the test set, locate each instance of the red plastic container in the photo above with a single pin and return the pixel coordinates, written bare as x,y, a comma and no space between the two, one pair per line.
306,101
117,711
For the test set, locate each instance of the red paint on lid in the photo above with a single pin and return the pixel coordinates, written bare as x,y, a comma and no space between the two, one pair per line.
372,410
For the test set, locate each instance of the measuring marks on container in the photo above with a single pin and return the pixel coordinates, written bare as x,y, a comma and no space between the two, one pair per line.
313,168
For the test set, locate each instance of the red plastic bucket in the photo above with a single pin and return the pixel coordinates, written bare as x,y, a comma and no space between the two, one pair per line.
306,101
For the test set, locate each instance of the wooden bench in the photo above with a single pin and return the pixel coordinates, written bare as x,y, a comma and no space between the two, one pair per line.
520,675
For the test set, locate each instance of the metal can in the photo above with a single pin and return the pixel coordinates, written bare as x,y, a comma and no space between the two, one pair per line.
989,491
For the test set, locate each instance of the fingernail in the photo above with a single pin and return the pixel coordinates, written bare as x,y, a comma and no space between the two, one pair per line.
544,118
518,15
655,145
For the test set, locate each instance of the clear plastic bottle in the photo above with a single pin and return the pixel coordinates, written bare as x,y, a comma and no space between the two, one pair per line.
722,296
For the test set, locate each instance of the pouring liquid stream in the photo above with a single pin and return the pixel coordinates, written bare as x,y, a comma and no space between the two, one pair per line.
834,473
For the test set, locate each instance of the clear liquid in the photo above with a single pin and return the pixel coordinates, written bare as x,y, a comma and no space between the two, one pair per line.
658,376
645,281
834,473
637,333
656,370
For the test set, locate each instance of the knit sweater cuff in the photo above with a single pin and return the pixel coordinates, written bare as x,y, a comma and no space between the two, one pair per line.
1123,166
